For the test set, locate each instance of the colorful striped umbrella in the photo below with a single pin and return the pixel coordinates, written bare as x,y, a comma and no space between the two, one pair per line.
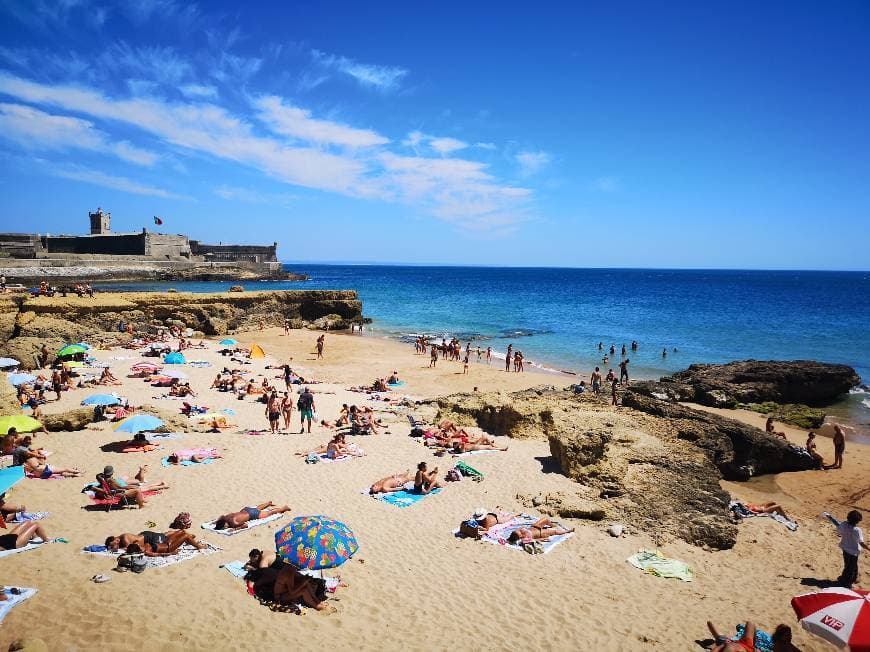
315,542
21,422
840,616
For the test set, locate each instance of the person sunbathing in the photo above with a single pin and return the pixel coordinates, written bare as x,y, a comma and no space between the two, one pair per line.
292,587
391,483
380,385
543,528
240,519
486,520
195,458
39,469
138,481
106,378
139,444
725,644
155,544
465,447
23,534
425,481
260,559
766,508
251,389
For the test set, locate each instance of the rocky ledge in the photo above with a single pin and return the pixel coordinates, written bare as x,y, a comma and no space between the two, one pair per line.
755,381
25,323
655,467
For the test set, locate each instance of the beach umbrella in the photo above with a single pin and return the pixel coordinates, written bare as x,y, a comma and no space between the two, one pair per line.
228,342
315,542
173,358
21,422
138,423
257,351
9,476
840,616
85,346
70,349
8,362
20,379
101,399
146,366
174,373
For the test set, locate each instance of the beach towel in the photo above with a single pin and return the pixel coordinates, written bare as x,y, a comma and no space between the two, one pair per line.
655,563
30,546
13,599
250,525
116,499
763,640
151,436
22,517
182,554
165,462
210,453
199,363
237,569
742,511
396,384
401,498
498,534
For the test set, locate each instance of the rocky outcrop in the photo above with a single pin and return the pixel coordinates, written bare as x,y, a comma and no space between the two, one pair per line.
27,322
737,450
801,416
70,421
755,381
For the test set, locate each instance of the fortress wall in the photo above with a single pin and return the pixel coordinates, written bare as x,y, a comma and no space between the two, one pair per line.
117,244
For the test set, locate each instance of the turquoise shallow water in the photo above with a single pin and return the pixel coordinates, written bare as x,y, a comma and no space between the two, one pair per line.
558,316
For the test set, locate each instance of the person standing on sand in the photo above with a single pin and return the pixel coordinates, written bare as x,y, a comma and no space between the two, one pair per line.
433,356
306,409
286,326
613,386
851,542
273,412
287,410
465,365
839,447
488,354
507,358
596,381
623,369
320,342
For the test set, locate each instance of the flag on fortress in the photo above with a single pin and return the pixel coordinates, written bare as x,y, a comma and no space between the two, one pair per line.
157,221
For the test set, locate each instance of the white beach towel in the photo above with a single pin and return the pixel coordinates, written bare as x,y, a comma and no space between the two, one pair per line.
249,525
15,551
182,554
12,599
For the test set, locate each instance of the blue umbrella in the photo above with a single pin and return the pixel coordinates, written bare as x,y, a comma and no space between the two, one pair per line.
138,423
9,477
20,379
228,342
8,362
101,399
173,358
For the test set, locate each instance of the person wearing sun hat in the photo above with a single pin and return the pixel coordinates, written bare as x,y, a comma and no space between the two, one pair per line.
486,519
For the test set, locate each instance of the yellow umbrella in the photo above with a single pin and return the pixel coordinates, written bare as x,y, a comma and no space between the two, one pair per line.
21,422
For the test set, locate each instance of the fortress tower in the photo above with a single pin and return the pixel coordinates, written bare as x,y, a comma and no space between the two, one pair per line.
100,222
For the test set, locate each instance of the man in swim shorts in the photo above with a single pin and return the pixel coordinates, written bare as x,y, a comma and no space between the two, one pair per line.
306,409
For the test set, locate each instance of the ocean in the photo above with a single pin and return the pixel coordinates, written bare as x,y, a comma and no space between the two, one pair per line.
557,317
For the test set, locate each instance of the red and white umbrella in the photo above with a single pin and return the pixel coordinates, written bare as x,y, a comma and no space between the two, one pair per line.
145,366
840,616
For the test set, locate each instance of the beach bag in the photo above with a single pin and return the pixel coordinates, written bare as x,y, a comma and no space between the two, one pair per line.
135,562
182,521
470,529
313,458
453,475
417,432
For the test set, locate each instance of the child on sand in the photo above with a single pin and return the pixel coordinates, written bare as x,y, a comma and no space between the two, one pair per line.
851,542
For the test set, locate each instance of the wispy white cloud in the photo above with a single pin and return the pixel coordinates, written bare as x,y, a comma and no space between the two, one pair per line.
248,196
231,67
198,91
488,146
156,63
606,184
384,78
532,162
45,15
97,178
175,11
292,121
35,129
417,140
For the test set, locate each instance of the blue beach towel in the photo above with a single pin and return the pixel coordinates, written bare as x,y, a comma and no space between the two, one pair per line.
763,640
403,498
236,568
397,384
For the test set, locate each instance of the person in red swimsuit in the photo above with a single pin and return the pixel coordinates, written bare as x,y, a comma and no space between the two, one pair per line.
745,643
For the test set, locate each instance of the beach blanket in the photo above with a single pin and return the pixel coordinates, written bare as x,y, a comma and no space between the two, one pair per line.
740,510
399,383
13,599
401,498
498,534
22,517
30,546
210,453
763,640
208,460
249,525
655,563
182,554
199,363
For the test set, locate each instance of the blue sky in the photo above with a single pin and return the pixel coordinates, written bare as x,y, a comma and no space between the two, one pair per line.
633,135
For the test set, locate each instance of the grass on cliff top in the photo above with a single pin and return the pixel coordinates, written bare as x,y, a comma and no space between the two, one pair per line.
795,414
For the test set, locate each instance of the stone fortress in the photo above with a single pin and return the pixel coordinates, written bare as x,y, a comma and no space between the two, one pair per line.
106,255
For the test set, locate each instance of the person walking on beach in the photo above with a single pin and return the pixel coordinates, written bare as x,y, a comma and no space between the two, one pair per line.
596,381
320,343
488,354
433,356
287,409
465,365
507,358
613,386
623,369
306,409
839,447
286,326
851,542
273,412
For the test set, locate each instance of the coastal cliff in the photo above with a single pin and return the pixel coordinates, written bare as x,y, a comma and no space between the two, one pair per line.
25,322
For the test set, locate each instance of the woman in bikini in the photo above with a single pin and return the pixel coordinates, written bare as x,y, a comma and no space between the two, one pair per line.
240,519
287,409
467,447
425,481
391,483
23,534
486,520
543,528
38,469
155,544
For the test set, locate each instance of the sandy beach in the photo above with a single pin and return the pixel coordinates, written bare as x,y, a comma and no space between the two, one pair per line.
412,585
